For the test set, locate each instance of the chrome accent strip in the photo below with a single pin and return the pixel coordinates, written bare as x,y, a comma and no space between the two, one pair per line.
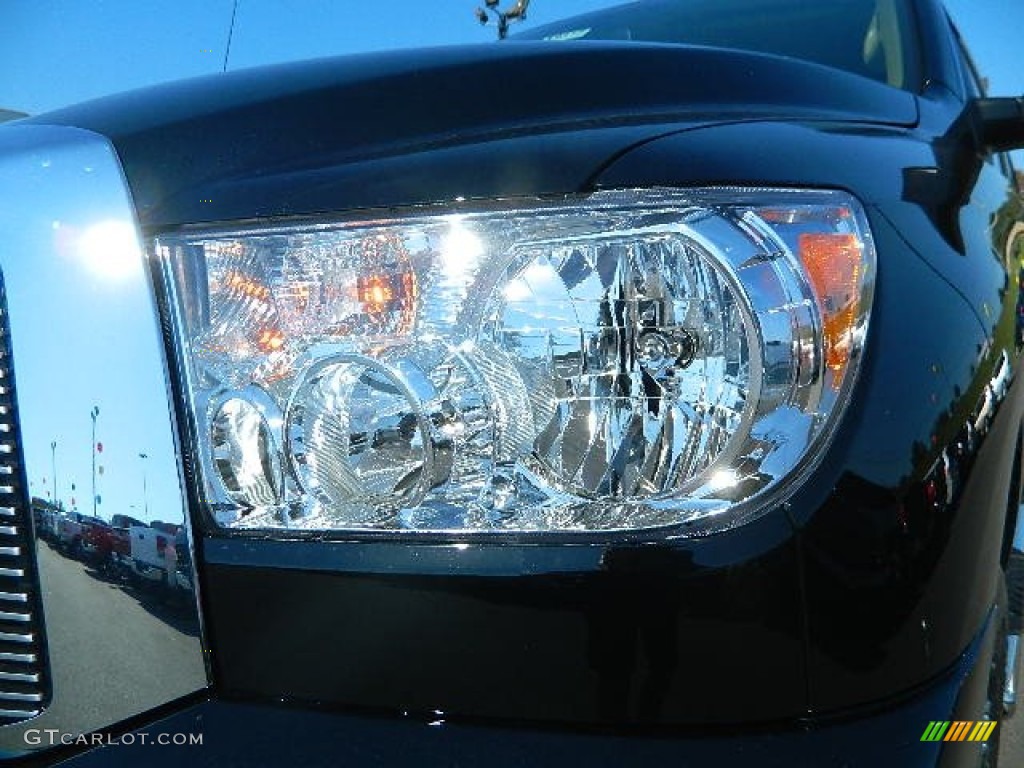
19,677
11,637
14,573
5,616
1010,687
10,696
8,530
80,297
20,714
10,551
18,658
14,597
1015,595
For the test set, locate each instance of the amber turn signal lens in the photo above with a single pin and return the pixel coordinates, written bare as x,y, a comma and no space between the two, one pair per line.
833,264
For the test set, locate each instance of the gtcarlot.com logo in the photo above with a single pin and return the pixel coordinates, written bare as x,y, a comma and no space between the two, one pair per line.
964,730
51,737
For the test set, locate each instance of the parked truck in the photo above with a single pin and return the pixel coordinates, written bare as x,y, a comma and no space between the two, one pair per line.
153,558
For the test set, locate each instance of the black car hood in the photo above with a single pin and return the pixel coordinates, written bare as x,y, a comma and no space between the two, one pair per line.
185,145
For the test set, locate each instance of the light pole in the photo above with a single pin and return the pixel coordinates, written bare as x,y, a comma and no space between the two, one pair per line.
94,413
53,462
516,13
145,502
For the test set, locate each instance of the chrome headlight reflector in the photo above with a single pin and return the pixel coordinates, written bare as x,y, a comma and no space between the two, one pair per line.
629,360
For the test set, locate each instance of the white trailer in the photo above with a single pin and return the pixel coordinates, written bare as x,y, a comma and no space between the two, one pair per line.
152,554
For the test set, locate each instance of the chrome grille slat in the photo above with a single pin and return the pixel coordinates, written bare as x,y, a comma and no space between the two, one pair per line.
24,675
19,658
14,715
11,637
12,696
20,677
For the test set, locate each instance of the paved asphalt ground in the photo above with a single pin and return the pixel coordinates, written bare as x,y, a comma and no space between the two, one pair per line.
152,655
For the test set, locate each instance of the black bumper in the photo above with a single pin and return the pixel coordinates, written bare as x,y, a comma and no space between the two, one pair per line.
231,733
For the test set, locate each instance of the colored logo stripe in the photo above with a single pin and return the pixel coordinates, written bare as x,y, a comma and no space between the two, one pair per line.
935,731
983,730
960,730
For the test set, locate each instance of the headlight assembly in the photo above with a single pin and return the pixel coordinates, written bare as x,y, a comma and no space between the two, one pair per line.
630,360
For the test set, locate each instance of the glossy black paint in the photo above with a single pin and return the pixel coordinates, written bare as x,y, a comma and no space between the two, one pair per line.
236,733
875,563
894,585
372,131
653,634
869,584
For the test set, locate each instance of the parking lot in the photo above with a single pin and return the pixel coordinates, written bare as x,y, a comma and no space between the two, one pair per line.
98,676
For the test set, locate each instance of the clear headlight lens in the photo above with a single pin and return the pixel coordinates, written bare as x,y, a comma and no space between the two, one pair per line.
627,361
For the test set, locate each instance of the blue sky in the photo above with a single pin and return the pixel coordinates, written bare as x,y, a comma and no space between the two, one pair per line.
55,53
